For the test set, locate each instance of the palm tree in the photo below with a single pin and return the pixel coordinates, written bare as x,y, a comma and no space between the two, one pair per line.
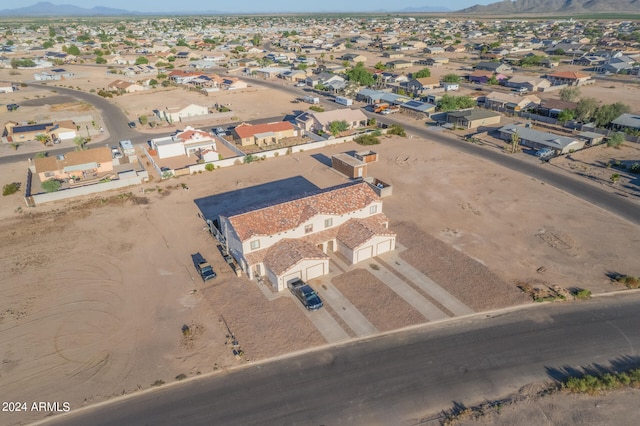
43,138
79,141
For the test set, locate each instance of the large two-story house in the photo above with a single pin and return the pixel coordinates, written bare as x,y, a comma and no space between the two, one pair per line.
290,240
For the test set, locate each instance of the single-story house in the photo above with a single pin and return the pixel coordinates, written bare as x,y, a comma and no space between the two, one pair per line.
186,142
483,76
626,122
125,86
536,139
315,121
495,67
290,240
570,78
56,130
399,64
175,114
510,102
54,74
353,57
532,84
263,134
473,118
74,164
420,85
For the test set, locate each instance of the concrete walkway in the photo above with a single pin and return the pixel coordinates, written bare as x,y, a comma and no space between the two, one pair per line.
345,309
443,297
408,293
327,325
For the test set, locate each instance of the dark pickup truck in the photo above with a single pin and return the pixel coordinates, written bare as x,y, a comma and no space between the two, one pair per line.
203,267
306,294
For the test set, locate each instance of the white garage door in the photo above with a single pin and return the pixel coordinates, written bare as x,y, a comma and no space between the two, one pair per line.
315,271
66,135
292,276
383,247
364,253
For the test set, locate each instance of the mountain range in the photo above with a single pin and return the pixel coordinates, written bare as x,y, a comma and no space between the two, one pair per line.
546,7
504,7
50,9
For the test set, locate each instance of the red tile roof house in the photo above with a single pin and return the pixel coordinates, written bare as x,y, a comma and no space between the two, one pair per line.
290,240
263,134
186,142
569,78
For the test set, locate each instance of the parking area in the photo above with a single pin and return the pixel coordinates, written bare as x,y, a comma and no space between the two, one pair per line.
415,289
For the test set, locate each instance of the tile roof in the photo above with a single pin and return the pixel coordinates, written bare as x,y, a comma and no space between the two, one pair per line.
245,130
285,254
569,74
193,135
288,215
356,232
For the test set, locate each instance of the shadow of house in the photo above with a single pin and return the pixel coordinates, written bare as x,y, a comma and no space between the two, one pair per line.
322,159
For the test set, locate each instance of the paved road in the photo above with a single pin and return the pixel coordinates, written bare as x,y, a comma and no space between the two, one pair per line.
396,378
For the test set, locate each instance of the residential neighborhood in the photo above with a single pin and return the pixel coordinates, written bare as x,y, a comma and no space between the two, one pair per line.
185,197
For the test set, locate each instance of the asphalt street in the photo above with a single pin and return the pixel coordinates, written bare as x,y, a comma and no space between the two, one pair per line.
400,378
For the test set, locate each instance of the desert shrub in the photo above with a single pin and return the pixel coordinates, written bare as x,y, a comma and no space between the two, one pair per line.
250,159
397,130
629,281
635,168
10,188
316,108
367,140
209,167
615,140
582,294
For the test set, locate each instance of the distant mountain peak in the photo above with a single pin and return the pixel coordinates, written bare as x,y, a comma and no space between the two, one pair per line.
546,7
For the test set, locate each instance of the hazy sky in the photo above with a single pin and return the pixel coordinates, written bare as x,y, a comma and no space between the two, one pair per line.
248,6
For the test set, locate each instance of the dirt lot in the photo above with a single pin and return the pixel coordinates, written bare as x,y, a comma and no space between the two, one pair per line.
563,408
94,293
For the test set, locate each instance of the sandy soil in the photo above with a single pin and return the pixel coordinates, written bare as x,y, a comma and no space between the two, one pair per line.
564,408
94,293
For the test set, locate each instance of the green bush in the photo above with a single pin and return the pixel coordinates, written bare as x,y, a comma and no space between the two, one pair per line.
250,159
629,281
209,167
316,108
593,384
635,168
10,188
582,294
51,185
367,140
397,130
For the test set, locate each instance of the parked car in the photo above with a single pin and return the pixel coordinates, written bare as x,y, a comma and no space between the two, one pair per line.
220,131
12,107
306,294
131,124
301,84
115,152
545,153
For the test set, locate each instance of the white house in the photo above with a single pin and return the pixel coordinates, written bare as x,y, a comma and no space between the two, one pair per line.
292,239
314,121
187,142
173,114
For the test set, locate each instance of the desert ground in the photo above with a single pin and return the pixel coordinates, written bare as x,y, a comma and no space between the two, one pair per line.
94,293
